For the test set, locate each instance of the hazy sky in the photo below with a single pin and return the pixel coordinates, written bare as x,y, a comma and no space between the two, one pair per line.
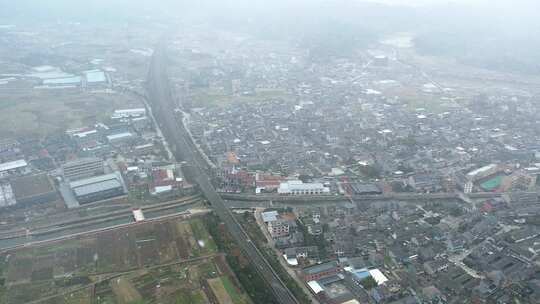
499,3
428,2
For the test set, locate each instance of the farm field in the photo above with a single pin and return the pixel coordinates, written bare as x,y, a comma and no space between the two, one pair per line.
44,112
172,261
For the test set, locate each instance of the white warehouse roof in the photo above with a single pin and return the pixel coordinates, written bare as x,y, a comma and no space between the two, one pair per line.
315,286
13,165
378,276
119,136
269,216
481,170
297,185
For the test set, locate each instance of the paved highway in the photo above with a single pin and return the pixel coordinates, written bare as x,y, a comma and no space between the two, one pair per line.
161,99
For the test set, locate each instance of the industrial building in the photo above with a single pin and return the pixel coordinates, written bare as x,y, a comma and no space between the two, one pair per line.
145,149
17,166
297,187
129,113
82,168
365,189
319,271
482,172
34,189
98,188
120,138
95,77
358,275
84,136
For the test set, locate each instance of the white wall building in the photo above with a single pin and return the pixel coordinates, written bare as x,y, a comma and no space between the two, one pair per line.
129,113
297,187
17,166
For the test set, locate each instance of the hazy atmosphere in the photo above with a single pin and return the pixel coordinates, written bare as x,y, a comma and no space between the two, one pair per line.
264,152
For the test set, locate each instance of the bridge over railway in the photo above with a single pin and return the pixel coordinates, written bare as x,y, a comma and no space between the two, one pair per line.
379,197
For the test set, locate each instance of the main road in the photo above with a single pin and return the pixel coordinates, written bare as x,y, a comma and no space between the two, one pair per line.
160,97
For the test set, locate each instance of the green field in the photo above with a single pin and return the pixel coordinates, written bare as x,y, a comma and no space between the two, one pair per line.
190,297
201,234
493,183
232,291
143,257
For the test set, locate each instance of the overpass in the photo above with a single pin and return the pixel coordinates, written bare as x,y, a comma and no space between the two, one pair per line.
160,96
379,197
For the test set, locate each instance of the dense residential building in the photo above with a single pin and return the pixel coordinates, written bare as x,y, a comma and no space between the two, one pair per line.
278,228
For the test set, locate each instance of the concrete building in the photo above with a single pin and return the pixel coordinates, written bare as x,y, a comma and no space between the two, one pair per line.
82,168
95,78
463,183
145,149
120,138
297,187
319,271
482,172
278,228
301,252
84,136
129,113
269,216
520,181
380,60
359,275
8,143
98,188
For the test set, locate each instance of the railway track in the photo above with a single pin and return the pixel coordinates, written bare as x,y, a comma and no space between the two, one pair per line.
125,213
161,98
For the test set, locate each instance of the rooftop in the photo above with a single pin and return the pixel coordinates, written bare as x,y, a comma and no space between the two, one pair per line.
95,76
13,165
96,184
82,161
269,216
299,185
320,267
119,136
97,187
481,170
